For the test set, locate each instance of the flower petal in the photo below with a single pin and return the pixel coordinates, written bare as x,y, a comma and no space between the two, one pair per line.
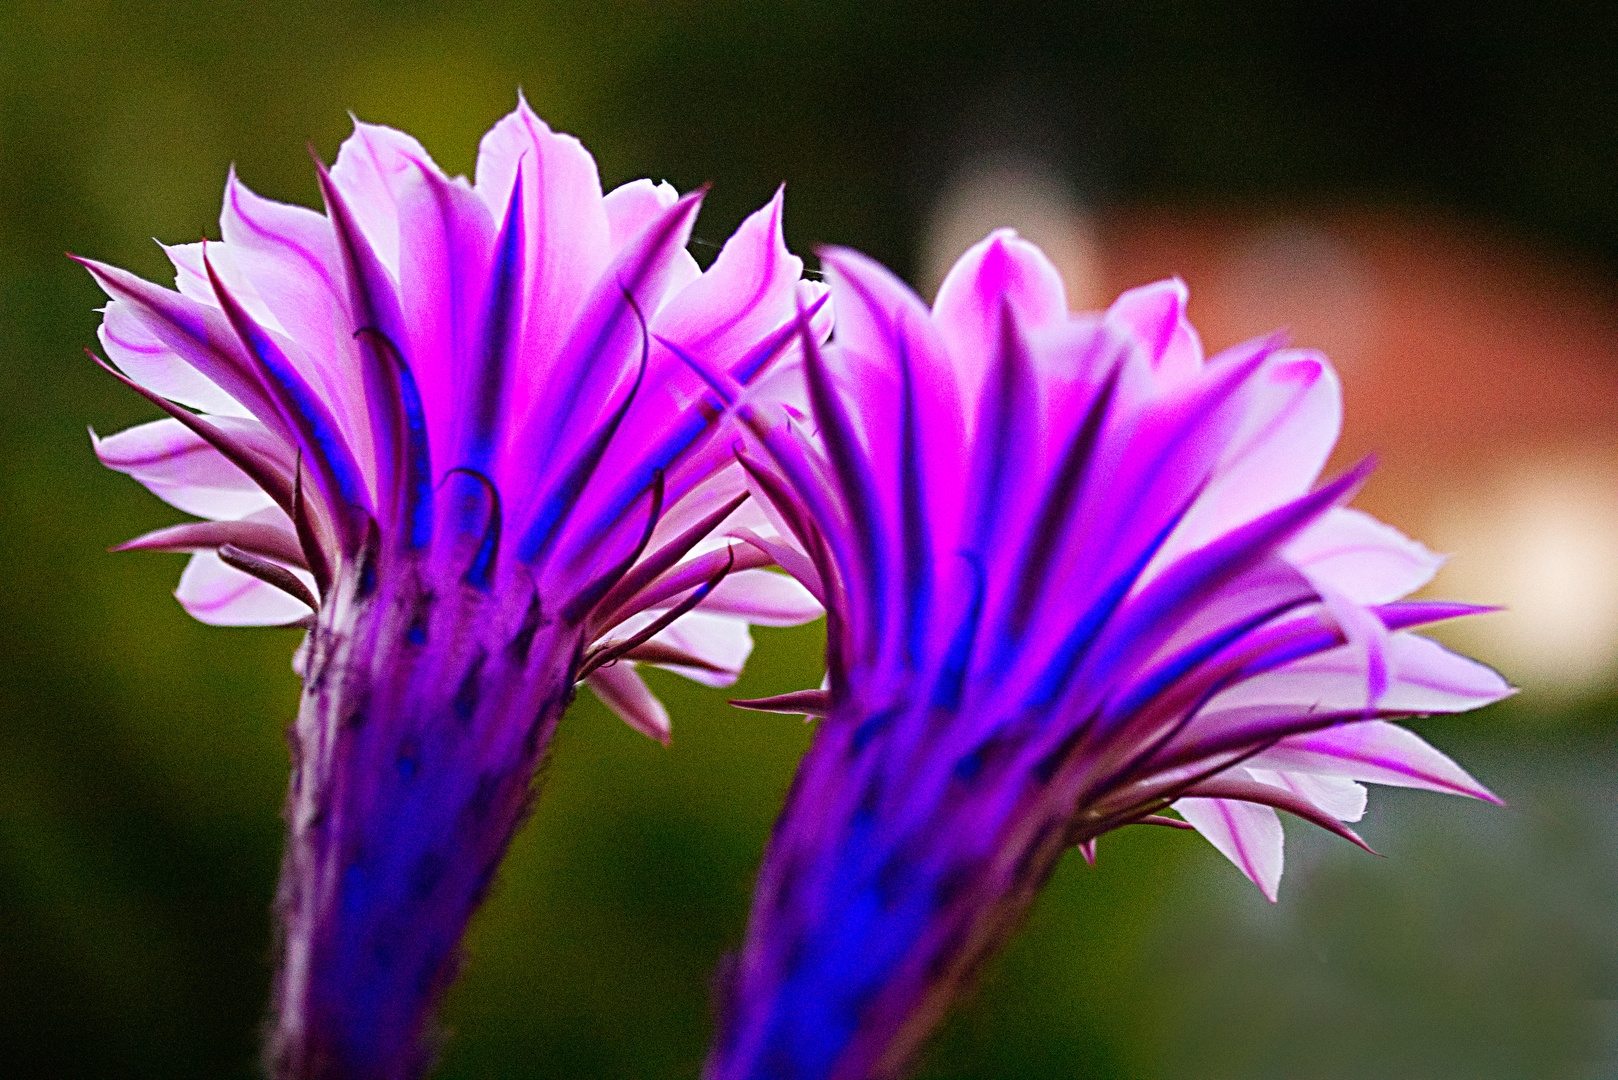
286,262
1000,268
1289,416
254,537
1247,834
373,165
146,359
718,640
1338,796
1361,558
1374,751
1155,313
1426,678
222,596
734,322
566,236
177,466
763,598
633,206
621,689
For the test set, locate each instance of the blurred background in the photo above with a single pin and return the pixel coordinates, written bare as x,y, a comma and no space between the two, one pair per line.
1424,190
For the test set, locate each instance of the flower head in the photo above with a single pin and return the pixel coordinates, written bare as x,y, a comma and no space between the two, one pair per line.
1076,576
453,428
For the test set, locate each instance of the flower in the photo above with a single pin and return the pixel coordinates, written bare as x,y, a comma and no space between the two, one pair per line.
452,428
1075,577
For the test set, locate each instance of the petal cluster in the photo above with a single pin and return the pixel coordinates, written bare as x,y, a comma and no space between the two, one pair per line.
1084,517
1077,574
487,373
476,437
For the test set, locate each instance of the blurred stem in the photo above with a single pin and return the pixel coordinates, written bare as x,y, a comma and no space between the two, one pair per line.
426,711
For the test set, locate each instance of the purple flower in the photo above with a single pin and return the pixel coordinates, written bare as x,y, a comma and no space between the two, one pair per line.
1076,576
453,428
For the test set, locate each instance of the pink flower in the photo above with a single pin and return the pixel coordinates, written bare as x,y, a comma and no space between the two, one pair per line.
452,428
1076,576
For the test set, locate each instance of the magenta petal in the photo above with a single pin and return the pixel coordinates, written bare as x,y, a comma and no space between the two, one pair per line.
1374,751
606,360
1337,796
1361,558
397,394
623,691
257,538
1156,314
1425,678
446,241
182,469
221,596
633,206
1072,573
1290,416
285,261
805,703
1247,834
1000,268
566,237
142,356
763,598
199,335
373,165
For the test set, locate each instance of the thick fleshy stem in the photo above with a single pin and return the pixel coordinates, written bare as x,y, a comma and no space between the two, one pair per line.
880,897
428,706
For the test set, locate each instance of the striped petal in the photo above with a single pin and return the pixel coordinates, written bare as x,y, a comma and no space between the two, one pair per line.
177,466
1247,834
223,596
622,690
1375,751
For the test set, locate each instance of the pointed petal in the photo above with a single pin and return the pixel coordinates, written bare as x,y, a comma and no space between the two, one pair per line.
1375,751
446,244
1427,678
1002,267
1338,796
597,375
1152,617
721,642
199,334
565,232
287,264
800,702
1288,422
1155,313
631,207
748,292
142,356
222,596
257,538
731,324
398,467
763,598
1361,558
1239,784
372,166
1247,834
339,476
183,470
622,690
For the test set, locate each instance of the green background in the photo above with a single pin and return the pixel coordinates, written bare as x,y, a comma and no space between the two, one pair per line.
141,754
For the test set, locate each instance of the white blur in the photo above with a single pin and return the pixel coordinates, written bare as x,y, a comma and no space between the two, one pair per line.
1541,540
